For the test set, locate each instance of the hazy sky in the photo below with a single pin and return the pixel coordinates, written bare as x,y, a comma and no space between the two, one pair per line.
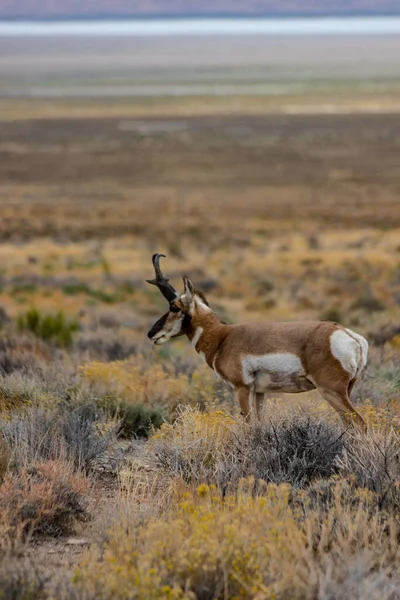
46,8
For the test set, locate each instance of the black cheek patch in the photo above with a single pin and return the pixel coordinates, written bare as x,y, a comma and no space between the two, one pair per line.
157,326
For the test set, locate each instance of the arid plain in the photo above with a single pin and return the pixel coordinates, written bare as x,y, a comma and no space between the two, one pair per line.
279,205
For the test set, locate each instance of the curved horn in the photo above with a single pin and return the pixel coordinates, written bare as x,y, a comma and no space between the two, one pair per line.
167,290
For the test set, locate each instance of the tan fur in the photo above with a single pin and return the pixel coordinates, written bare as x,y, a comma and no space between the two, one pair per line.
226,348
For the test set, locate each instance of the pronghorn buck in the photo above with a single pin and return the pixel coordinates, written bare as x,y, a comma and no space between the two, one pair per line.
258,358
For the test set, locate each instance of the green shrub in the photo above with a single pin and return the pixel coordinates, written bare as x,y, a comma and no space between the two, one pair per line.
135,419
51,327
75,289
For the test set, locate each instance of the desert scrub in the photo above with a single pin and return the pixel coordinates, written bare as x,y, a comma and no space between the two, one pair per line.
212,546
105,344
54,328
22,352
45,498
372,462
382,381
135,420
30,579
191,448
290,447
382,417
21,580
155,385
80,433
5,457
20,390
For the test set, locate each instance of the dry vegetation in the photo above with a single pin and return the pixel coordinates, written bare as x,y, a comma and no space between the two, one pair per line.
138,453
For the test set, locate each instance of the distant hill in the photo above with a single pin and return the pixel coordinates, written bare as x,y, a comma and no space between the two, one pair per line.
47,9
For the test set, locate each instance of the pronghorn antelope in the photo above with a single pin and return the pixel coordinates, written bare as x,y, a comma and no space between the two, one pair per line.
258,358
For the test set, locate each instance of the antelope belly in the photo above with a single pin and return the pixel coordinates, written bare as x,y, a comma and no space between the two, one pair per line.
264,382
282,372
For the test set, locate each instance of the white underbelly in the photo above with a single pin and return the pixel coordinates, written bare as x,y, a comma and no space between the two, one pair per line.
275,373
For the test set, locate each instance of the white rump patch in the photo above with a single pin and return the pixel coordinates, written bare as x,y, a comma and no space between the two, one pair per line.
364,347
197,336
279,366
348,351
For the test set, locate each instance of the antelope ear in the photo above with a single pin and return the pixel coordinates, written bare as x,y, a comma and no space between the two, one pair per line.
188,294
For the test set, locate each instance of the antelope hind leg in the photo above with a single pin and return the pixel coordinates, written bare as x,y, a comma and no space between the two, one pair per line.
341,403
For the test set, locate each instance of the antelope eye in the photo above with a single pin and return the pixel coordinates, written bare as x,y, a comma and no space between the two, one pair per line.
174,309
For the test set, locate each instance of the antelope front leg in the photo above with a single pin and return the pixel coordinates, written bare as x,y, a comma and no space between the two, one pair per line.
243,395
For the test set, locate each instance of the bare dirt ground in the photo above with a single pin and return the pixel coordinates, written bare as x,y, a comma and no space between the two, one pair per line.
104,504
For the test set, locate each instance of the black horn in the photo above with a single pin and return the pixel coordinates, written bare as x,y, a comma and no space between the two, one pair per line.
167,290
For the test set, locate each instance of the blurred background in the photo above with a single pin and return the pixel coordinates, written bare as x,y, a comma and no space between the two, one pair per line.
256,144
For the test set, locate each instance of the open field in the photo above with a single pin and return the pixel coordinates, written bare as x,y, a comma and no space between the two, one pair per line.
260,198
325,68
274,216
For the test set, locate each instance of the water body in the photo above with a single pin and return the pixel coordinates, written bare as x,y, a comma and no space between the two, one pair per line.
200,27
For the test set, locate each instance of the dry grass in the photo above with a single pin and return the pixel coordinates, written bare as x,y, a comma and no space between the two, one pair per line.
233,529
349,102
241,546
275,218
291,446
46,498
5,457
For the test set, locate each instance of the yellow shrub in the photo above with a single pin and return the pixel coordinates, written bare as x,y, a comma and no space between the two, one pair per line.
395,342
157,385
214,426
194,443
381,417
237,547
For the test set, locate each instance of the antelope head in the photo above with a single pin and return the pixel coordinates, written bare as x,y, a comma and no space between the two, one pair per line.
176,321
